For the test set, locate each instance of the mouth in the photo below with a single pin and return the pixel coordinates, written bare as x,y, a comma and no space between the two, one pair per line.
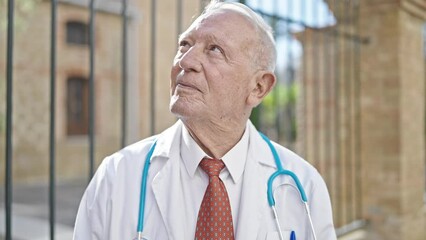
185,86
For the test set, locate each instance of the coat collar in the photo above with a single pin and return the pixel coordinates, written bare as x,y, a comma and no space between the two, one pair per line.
167,141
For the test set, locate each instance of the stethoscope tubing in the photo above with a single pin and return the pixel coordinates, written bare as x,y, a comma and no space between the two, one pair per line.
306,207
143,188
271,179
270,195
274,152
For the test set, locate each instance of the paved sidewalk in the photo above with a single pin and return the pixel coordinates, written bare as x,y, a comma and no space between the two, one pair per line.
30,210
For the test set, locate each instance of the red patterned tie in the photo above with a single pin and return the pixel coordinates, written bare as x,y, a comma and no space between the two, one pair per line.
215,217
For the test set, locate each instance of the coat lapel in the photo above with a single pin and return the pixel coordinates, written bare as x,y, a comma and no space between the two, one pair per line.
166,189
169,198
254,202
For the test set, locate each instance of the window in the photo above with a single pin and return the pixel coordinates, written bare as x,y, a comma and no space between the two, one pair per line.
77,106
77,33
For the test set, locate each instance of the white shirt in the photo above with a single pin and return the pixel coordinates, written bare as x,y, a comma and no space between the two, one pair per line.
195,180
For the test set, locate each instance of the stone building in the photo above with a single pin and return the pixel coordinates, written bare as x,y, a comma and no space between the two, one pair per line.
31,81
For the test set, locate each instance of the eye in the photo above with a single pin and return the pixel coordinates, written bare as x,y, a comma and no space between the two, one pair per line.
216,48
183,45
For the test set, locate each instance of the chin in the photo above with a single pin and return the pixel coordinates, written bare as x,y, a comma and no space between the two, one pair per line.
186,108
184,111
179,109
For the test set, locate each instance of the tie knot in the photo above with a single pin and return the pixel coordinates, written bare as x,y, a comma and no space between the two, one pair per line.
212,166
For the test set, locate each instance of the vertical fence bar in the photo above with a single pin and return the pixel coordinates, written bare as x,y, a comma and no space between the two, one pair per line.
358,132
92,89
351,111
331,114
52,146
347,112
352,115
290,104
275,94
9,94
259,110
305,145
124,75
322,108
179,17
338,204
315,84
153,63
327,100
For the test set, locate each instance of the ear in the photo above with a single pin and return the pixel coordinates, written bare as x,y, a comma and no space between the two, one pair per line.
264,83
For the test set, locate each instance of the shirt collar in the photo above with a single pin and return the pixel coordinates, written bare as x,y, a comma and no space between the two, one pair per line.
234,159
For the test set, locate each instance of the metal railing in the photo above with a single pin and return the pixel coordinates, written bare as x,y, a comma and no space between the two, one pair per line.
329,131
340,41
9,82
52,145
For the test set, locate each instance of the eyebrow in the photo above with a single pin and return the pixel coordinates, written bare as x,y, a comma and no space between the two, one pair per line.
212,38
209,37
182,35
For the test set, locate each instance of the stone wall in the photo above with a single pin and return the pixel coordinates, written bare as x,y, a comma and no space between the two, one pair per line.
391,117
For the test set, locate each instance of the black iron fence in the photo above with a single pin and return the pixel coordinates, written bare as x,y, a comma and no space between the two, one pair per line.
321,119
314,109
53,69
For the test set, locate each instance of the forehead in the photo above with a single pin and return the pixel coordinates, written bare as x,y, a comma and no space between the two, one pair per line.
223,24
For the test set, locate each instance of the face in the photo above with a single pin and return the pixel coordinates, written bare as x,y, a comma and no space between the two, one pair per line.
212,74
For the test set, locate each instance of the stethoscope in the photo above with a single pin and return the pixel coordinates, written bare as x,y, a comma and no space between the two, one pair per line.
270,193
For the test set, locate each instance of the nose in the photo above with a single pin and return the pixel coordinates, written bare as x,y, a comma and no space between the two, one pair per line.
190,61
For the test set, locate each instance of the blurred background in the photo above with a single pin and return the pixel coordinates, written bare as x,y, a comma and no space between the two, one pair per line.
80,79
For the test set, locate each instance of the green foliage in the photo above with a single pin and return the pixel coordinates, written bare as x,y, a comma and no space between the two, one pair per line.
277,112
278,100
22,9
255,116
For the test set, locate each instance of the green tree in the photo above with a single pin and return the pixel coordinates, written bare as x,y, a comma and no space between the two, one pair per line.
280,102
22,9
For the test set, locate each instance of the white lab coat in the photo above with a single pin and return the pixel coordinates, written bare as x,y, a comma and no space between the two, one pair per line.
109,208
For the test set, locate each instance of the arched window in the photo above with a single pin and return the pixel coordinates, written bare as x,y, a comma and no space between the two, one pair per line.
77,33
77,106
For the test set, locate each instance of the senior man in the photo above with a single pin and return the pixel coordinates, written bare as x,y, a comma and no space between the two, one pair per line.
208,173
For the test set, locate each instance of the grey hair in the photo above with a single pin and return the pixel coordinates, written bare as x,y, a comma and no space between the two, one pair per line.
266,53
